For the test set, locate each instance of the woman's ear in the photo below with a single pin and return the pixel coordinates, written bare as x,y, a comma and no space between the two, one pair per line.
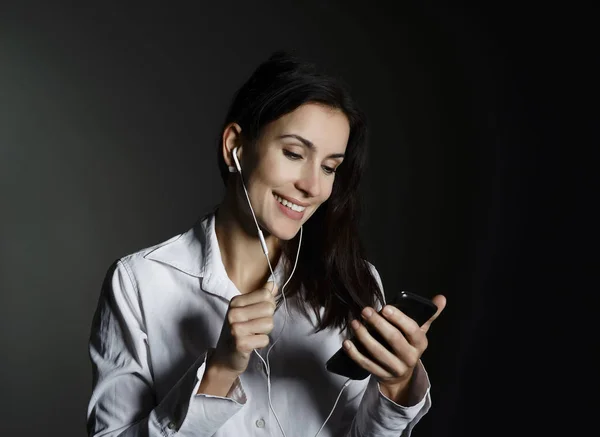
231,140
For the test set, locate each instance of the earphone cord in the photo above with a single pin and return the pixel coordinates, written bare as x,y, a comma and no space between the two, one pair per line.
266,363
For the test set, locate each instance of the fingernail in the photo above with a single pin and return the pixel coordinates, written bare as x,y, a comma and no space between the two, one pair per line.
387,311
347,344
367,312
355,324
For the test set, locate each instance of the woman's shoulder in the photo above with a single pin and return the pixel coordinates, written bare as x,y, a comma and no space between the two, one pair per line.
135,265
145,252
184,251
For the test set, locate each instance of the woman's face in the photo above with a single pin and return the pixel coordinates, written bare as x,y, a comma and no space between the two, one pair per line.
291,171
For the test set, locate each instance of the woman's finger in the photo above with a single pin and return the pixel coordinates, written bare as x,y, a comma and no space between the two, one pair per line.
262,294
401,325
249,343
402,353
440,302
364,362
250,312
264,325
397,329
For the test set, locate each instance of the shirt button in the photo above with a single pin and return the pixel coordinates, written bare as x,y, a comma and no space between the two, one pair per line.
171,425
260,423
259,367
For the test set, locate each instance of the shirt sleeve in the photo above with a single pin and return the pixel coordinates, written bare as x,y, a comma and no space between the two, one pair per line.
123,401
378,416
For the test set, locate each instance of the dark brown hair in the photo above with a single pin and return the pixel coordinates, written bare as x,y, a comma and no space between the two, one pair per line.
332,268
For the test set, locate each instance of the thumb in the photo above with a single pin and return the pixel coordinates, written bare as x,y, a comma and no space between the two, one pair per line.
440,302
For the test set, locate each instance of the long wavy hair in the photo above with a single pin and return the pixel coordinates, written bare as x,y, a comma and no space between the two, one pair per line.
332,274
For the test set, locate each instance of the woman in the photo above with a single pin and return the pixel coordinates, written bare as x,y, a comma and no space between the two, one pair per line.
179,339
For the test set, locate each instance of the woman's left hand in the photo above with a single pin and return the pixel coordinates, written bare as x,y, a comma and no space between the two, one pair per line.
393,369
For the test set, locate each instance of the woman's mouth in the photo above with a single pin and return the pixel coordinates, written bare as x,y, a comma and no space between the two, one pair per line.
290,209
289,204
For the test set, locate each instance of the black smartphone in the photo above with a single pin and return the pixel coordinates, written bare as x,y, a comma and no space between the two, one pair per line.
414,306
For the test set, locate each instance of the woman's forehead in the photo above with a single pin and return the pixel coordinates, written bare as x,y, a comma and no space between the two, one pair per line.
321,125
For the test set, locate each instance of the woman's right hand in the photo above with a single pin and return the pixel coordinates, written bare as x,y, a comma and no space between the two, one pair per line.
248,322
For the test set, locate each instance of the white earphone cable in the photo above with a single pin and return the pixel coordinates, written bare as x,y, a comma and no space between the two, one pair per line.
346,384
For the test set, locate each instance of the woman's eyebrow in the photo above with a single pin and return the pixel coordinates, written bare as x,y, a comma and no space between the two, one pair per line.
308,144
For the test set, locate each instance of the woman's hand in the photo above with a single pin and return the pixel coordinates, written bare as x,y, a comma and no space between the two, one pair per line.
393,369
247,324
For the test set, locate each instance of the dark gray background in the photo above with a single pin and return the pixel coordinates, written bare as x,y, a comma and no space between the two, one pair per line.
108,121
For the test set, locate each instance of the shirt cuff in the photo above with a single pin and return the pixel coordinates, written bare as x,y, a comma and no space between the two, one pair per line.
207,413
380,416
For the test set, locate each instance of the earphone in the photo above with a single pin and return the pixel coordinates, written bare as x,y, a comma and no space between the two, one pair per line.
263,243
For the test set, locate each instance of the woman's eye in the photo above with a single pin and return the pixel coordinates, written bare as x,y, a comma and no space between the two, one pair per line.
328,170
291,155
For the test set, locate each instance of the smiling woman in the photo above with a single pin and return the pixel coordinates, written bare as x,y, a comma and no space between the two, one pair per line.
179,340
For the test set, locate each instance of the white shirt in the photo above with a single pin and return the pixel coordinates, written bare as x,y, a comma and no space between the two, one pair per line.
160,313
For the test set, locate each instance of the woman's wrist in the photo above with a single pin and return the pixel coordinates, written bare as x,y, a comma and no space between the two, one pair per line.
397,392
217,381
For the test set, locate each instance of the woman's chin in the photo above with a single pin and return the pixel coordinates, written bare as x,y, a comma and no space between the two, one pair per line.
285,232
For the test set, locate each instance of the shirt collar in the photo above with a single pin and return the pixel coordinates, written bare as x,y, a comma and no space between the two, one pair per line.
196,253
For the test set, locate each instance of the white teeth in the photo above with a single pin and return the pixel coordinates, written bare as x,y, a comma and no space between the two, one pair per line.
290,205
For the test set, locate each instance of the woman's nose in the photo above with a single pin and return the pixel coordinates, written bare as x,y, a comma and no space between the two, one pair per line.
309,182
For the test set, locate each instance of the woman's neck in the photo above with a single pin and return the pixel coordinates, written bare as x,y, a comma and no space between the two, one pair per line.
241,252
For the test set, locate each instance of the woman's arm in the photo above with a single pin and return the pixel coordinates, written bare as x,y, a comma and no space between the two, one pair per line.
123,401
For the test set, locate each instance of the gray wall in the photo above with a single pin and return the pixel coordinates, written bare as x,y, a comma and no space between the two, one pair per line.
108,120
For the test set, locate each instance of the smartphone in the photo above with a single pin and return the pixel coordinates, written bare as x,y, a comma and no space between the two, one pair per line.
414,306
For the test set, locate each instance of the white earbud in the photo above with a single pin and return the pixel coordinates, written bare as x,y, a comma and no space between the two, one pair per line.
237,162
237,167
